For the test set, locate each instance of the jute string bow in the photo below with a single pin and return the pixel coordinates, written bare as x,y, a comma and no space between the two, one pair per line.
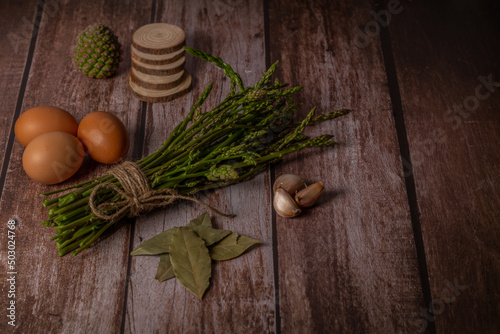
138,195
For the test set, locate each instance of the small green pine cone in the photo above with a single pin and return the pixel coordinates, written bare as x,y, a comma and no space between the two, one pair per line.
98,52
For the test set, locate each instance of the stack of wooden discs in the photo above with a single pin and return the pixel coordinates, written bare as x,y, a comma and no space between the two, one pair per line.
158,58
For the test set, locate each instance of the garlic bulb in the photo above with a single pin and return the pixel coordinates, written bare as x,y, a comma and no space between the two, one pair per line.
308,196
289,182
284,204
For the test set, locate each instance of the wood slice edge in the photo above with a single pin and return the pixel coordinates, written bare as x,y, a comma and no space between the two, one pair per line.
163,51
151,71
160,99
157,62
164,86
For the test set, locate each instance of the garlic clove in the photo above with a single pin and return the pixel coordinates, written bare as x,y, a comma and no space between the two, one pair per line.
308,196
284,204
290,182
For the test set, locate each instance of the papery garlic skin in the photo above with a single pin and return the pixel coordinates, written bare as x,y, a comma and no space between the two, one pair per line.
308,196
290,183
284,204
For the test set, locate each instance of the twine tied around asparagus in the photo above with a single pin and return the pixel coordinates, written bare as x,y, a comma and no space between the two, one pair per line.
138,195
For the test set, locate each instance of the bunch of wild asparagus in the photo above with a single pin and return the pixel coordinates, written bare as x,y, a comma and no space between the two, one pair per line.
250,129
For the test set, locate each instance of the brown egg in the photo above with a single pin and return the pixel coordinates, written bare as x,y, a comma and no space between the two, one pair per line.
104,136
53,157
43,119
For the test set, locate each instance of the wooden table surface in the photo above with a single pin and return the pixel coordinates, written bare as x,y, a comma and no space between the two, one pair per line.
407,236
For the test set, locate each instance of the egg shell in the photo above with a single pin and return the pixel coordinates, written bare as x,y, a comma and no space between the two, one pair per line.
43,119
53,157
104,136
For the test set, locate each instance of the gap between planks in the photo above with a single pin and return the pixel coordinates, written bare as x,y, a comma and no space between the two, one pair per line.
136,155
404,149
22,90
272,178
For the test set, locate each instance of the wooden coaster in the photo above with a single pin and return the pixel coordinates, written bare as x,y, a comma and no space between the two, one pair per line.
158,38
167,69
145,58
154,96
157,82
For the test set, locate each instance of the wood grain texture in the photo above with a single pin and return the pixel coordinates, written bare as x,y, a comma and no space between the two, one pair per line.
241,296
82,294
15,36
453,128
348,264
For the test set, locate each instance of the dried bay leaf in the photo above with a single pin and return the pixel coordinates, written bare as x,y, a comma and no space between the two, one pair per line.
184,252
190,260
165,270
231,246
209,234
201,220
156,245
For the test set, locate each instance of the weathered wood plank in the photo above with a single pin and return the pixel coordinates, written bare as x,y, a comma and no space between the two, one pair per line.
446,58
241,296
349,264
15,35
82,294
